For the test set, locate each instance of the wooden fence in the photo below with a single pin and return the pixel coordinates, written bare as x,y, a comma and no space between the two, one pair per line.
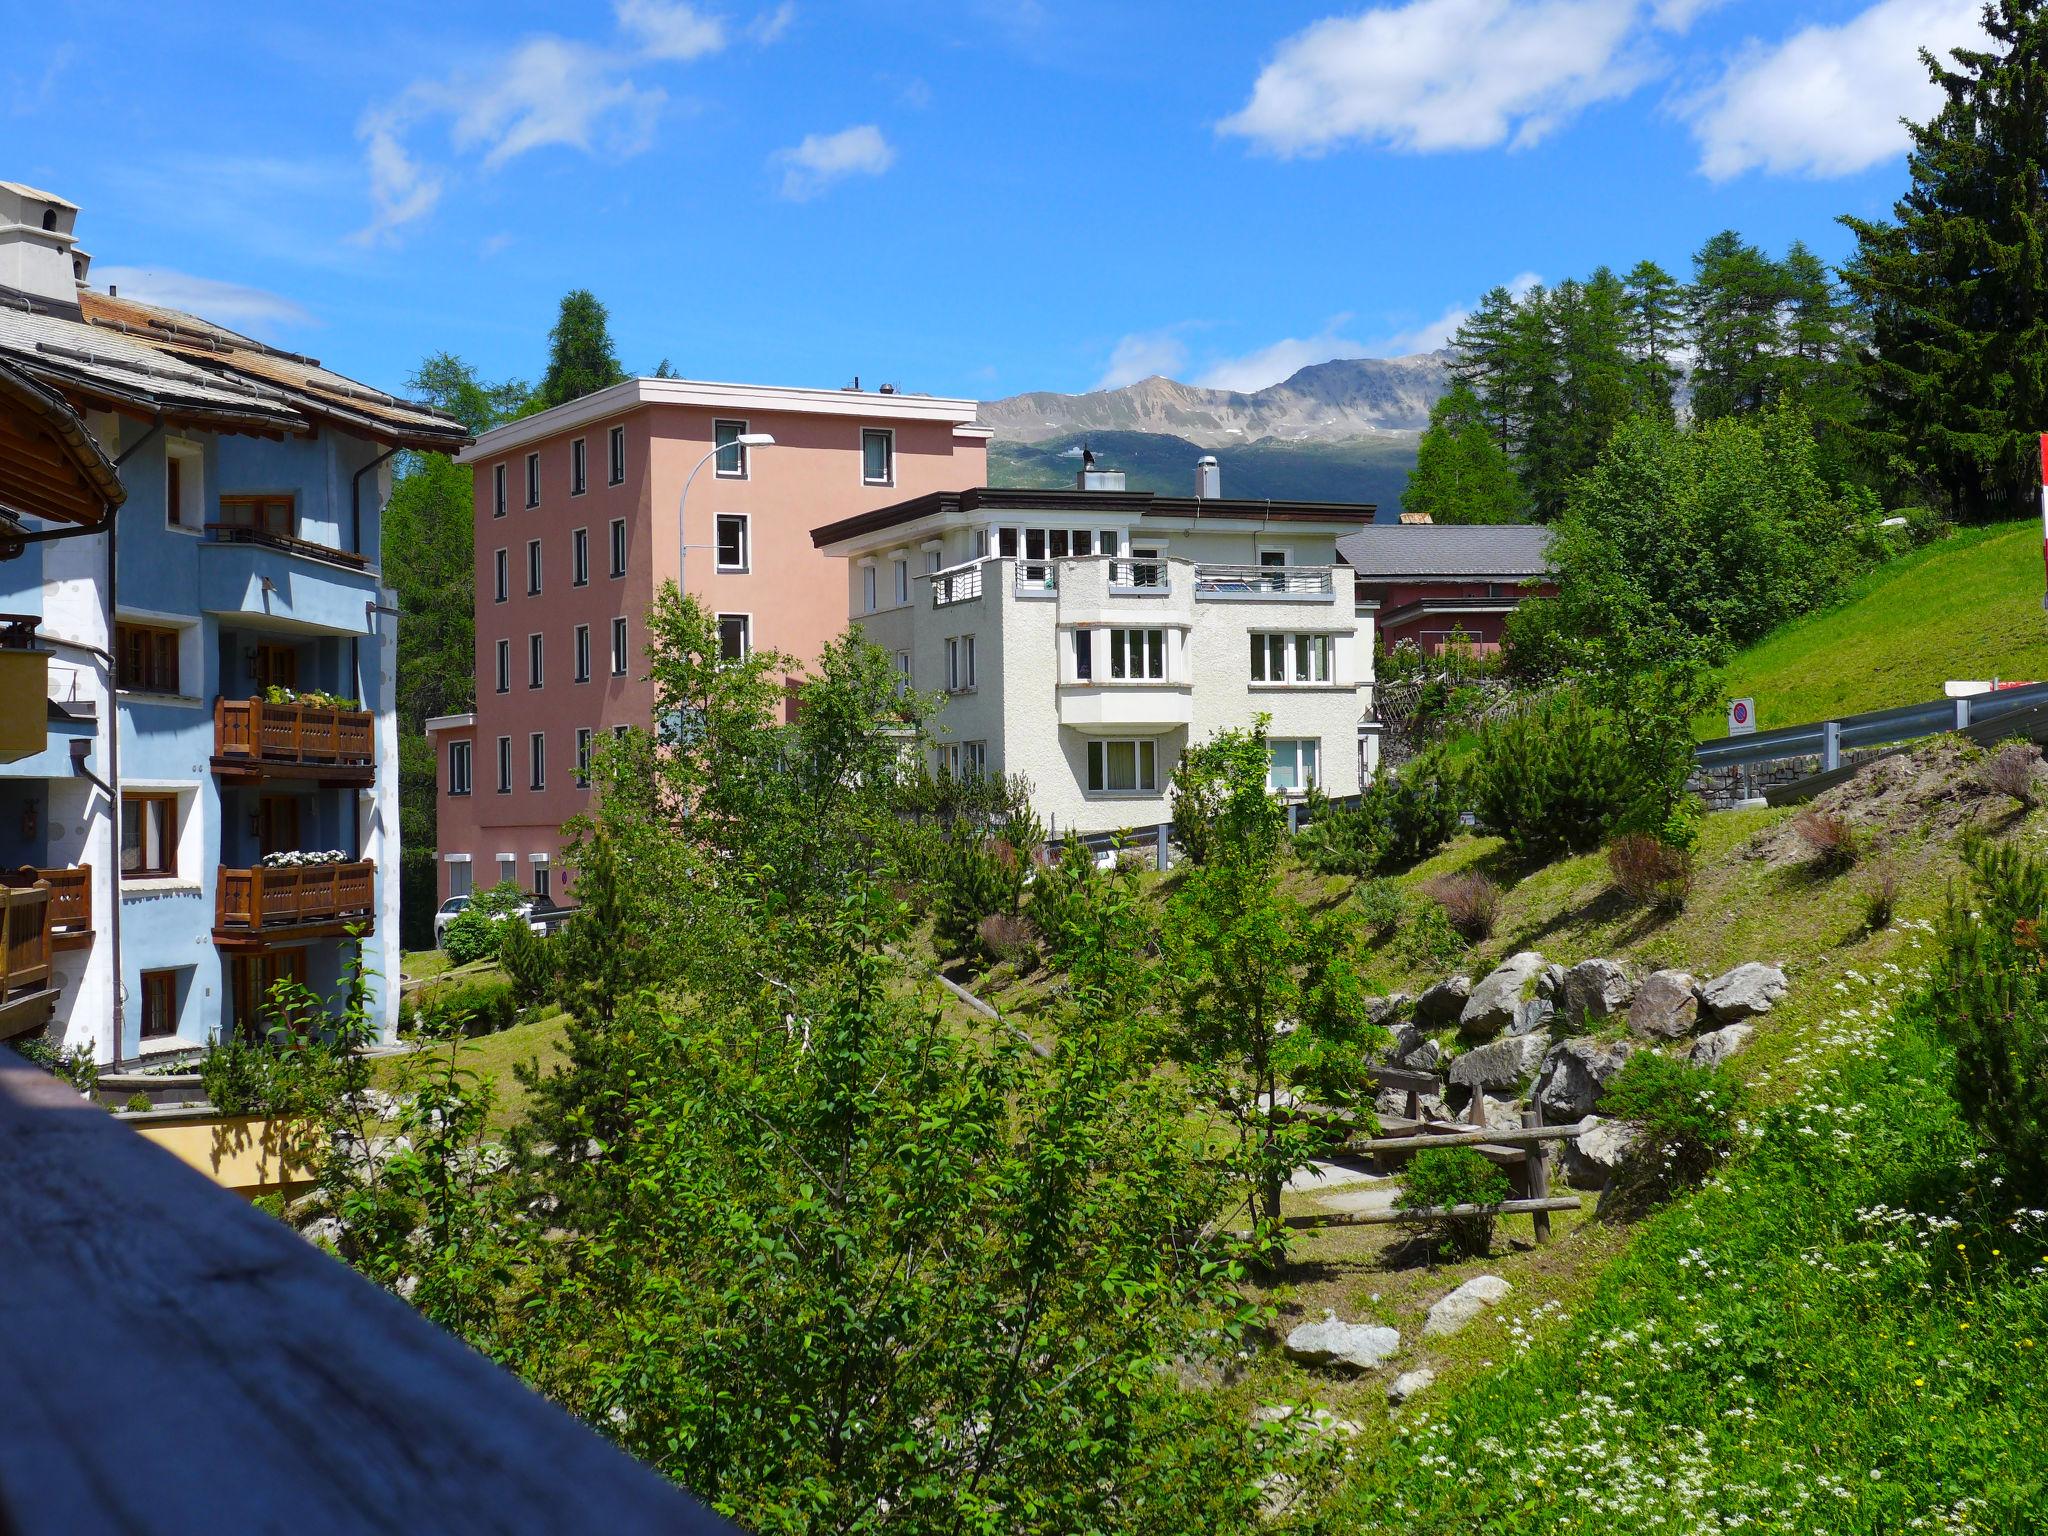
279,898
291,733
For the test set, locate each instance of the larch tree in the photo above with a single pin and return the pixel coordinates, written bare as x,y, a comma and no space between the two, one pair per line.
581,357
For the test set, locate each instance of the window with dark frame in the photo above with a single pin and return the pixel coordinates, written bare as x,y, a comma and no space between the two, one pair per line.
533,567
159,1004
1122,766
877,456
618,647
543,880
533,479
582,653
537,746
579,468
146,658
735,636
174,489
277,515
504,660
732,541
533,661
504,765
458,767
617,442
579,557
618,546
149,836
583,757
502,563
498,491
732,453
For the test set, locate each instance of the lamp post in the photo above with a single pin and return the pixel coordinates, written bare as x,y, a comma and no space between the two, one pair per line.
745,440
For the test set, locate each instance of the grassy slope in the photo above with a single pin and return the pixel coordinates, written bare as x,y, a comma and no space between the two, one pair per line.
491,1057
1969,606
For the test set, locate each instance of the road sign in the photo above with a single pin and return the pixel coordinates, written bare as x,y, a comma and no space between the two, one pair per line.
1742,717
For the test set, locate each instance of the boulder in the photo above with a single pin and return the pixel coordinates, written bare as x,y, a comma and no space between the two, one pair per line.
1384,1011
1592,1158
1314,1421
1574,1075
1666,1006
1743,992
1440,1005
1408,1383
1533,1017
1491,1006
1414,1051
1506,1063
1550,983
1596,989
1392,1104
1360,1346
323,1232
1464,1304
1713,1049
1501,1114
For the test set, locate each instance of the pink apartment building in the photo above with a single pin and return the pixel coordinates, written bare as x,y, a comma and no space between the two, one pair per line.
576,529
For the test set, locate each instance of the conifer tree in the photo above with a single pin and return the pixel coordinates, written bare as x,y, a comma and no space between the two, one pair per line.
1483,344
581,357
1654,317
1461,475
1732,309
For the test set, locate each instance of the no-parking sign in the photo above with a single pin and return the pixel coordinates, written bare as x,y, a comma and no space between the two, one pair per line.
1742,717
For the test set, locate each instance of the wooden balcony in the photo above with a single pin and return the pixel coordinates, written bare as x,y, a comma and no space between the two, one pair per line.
253,739
28,991
255,907
70,901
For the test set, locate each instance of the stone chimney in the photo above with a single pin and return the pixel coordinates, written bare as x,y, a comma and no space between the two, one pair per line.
38,251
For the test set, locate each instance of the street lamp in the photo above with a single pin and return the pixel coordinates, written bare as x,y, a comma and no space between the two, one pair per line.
683,545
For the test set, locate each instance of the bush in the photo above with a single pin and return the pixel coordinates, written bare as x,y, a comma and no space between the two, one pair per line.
1880,901
1469,901
1427,939
1341,840
1650,872
76,1067
241,1076
1381,905
476,1007
472,936
1553,778
1686,1118
1401,819
2011,771
528,960
978,875
1450,1176
501,900
1833,842
1010,938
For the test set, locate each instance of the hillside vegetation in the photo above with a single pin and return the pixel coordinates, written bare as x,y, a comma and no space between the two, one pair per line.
1966,607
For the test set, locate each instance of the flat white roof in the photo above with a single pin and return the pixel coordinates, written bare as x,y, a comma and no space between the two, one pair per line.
451,722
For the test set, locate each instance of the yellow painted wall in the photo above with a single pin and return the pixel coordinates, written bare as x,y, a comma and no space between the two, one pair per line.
238,1152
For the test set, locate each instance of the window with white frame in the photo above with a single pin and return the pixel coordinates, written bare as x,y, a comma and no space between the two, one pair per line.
458,767
579,468
579,558
618,647
1291,658
501,564
543,877
583,757
931,560
618,455
504,660
533,567
460,878
498,490
1270,559
508,869
732,453
899,571
537,746
1295,764
973,757
902,672
618,546
582,653
959,663
735,636
533,479
732,541
533,661
981,543
504,765
877,456
1123,767
1137,654
868,602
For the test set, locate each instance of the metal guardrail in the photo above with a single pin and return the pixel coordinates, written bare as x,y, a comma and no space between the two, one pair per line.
1263,580
958,584
1828,739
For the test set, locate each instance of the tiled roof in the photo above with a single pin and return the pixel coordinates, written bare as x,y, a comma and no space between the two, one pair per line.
1390,551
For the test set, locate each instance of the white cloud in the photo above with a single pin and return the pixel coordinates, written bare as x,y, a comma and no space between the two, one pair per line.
1142,354
1827,100
400,191
770,26
670,30
552,92
234,305
1677,15
1438,332
824,158
1282,359
1441,75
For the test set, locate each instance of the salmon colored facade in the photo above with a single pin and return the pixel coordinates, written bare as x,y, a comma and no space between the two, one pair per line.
640,442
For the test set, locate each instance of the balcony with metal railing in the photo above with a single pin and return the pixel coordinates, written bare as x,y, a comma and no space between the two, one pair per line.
1293,583
956,584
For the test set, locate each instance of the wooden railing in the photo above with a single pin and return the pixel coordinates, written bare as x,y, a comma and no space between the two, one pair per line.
70,895
258,899
24,937
292,733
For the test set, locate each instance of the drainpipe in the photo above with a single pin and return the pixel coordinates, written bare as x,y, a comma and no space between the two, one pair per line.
355,499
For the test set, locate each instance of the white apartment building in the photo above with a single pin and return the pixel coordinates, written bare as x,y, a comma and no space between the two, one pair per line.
1084,638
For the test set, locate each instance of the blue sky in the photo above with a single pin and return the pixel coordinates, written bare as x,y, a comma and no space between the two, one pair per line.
970,197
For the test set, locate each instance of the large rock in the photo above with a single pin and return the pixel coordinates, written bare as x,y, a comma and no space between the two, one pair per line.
1464,1304
1533,1017
1386,1011
1551,982
1440,1005
1506,1063
1414,1051
1591,1159
1743,992
1666,1006
1361,1346
1408,1383
1392,1104
1713,1049
1491,1007
1596,989
1574,1076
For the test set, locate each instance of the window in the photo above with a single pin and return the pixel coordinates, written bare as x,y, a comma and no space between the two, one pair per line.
508,869
1294,764
900,570
1084,655
960,664
147,658
583,757
458,767
735,636
501,562
174,489
618,647
618,455
732,453
159,1004
579,468
533,661
265,514
877,456
542,880
868,601
498,490
582,653
184,506
902,673
1291,658
1270,558
1145,568
981,543
732,541
533,567
537,746
931,561
579,557
1123,767
460,876
149,835
618,546
504,765
533,479
504,659
973,757
621,732
1137,654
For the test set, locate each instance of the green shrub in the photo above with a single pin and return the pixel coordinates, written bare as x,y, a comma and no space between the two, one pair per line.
1341,840
1420,808
979,875
501,900
241,1076
481,1006
1427,939
1450,1176
76,1067
472,936
1555,777
138,1103
1066,892
1382,905
1685,1116
528,960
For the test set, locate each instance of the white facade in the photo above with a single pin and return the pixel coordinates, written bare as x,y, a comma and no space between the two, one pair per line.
1084,646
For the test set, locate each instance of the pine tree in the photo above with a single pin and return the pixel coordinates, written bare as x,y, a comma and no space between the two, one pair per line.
1535,367
581,357
1483,344
1461,475
1957,285
1654,312
1732,309
1594,386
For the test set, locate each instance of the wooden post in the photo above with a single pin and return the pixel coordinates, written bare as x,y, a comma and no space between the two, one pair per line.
1537,1155
1475,1112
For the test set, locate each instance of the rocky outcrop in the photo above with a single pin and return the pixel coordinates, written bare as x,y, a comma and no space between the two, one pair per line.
1392,1104
1464,1304
1534,1016
1550,984
1414,1051
1575,1074
1743,993
1595,989
1408,1383
1506,1064
1593,1157
1490,1009
1711,1050
1440,1005
1386,1011
1666,1006
1333,1342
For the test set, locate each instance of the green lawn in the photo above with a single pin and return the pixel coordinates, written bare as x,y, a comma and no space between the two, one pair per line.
1969,606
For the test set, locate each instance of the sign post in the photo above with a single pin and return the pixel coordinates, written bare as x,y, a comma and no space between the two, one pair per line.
1742,717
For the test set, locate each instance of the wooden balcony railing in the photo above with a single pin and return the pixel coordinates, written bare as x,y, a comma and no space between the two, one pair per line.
303,734
24,938
70,898
259,900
